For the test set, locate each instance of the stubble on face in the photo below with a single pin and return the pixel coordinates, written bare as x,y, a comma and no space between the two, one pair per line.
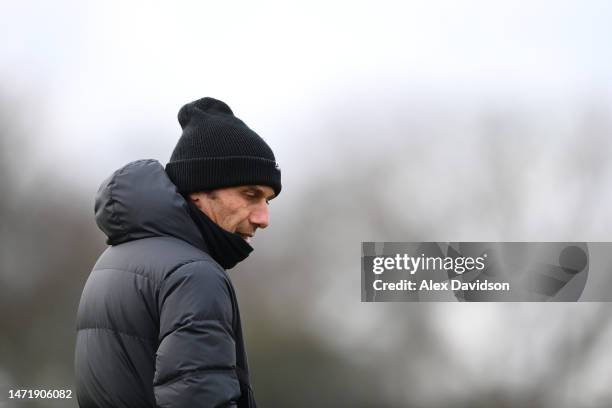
239,210
226,209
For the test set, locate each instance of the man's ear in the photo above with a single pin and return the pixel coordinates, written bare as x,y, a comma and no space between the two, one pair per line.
194,197
197,199
201,199
199,195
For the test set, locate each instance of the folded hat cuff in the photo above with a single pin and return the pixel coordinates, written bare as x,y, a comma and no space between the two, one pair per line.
210,173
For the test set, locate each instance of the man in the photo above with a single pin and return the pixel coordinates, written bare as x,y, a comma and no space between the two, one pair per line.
158,324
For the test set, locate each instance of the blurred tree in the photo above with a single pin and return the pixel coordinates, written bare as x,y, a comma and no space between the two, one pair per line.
311,342
48,244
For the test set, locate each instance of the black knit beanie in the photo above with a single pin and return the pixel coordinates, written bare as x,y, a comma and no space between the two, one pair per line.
218,150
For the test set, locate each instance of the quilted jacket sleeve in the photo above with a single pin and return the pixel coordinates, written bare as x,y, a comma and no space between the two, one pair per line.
196,358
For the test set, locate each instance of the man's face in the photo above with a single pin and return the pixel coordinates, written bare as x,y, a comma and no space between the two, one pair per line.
240,209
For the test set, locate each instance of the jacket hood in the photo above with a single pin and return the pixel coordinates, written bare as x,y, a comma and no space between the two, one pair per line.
139,201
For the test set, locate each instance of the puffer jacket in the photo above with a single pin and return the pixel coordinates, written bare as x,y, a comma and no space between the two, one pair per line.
158,323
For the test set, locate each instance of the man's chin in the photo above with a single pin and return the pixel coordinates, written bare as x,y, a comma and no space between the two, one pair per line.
247,238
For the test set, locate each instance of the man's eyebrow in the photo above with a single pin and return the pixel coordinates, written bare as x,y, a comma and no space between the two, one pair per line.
261,192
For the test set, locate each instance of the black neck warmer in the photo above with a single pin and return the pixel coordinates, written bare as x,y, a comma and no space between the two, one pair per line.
223,246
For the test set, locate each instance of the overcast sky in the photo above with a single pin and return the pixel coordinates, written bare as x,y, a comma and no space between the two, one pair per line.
100,72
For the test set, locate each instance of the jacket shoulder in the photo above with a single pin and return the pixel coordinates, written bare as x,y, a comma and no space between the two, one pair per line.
201,288
154,258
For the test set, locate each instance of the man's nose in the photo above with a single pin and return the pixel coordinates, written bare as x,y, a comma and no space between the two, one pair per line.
260,216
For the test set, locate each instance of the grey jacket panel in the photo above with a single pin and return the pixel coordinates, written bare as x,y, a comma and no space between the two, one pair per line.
196,339
156,325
